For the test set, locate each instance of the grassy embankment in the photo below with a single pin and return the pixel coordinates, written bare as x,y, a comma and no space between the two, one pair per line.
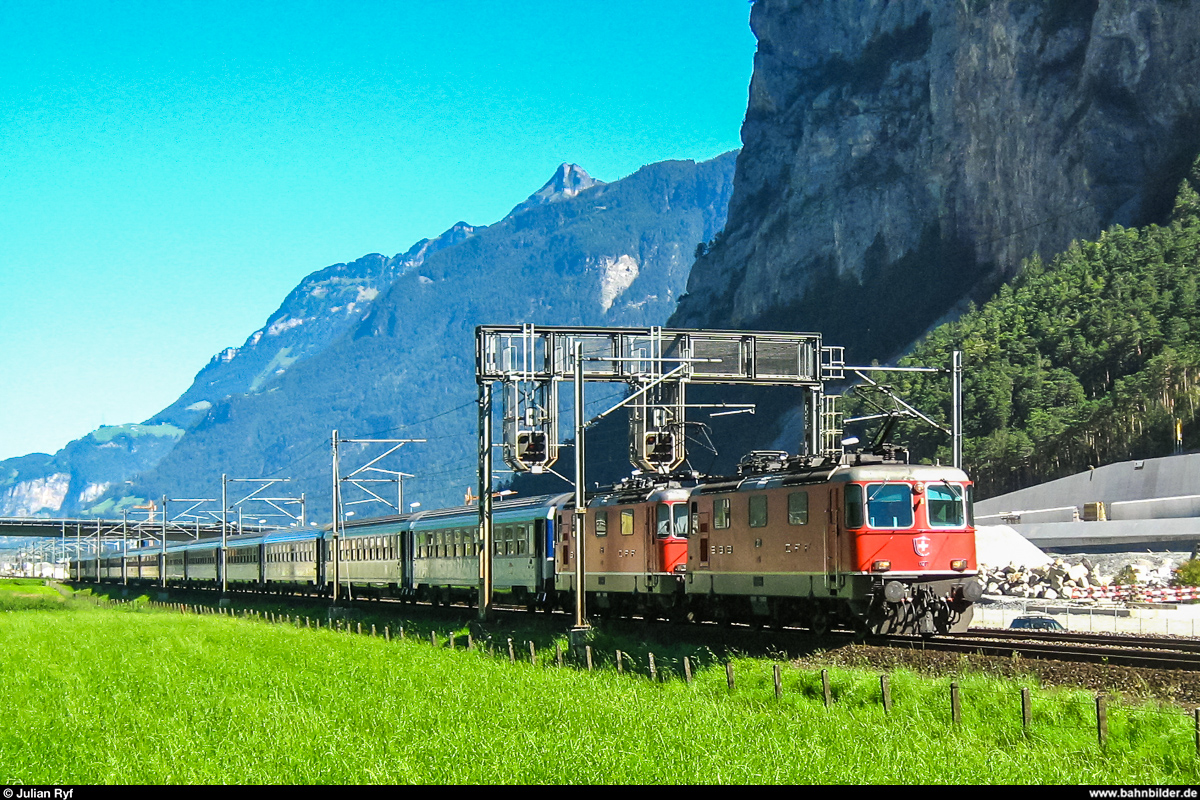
143,696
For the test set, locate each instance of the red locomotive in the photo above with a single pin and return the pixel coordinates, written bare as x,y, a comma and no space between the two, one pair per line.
869,542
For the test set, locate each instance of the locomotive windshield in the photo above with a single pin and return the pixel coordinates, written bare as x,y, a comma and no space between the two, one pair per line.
672,520
945,506
889,505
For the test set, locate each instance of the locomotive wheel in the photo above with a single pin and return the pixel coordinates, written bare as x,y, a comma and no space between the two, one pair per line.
818,622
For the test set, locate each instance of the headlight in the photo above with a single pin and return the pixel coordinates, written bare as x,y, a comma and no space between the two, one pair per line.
881,566
959,564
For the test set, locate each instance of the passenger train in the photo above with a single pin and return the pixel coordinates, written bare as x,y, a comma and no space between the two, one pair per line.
866,542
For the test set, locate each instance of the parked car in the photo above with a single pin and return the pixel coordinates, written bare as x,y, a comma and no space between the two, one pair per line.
1037,623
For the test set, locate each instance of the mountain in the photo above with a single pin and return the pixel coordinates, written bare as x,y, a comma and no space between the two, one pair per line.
1087,360
901,157
900,160
323,306
385,346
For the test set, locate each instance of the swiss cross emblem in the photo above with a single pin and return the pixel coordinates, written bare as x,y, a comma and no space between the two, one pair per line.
921,545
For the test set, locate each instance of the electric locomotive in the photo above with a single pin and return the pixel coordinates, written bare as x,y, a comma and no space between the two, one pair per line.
636,542
867,541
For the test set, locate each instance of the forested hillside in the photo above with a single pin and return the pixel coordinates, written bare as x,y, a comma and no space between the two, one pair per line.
1085,361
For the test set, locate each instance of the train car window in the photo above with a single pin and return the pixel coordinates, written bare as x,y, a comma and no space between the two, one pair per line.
945,505
889,505
854,506
798,508
509,546
758,511
522,539
663,517
601,522
497,541
627,522
721,512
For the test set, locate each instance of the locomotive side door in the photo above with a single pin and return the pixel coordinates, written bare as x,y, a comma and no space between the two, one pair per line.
832,543
700,525
564,564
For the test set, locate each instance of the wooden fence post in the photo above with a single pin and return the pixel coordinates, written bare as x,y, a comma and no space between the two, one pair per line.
778,683
885,690
955,706
825,688
653,671
1102,720
1026,711
687,676
620,665
729,674
588,651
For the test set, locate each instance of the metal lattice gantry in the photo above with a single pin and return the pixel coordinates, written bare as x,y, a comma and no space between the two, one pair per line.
657,363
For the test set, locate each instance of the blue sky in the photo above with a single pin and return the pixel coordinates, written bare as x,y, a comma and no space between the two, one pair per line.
170,170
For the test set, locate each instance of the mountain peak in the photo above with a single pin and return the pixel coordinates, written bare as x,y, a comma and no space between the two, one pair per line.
568,180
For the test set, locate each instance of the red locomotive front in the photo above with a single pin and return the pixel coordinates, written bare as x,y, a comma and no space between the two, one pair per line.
914,535
867,542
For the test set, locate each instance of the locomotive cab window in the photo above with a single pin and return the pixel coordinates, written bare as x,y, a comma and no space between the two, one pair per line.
945,505
672,520
627,522
601,522
889,505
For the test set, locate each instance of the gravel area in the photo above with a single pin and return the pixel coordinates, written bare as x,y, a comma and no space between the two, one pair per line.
1174,686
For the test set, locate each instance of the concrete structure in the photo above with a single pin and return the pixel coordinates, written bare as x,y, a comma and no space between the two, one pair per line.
1151,504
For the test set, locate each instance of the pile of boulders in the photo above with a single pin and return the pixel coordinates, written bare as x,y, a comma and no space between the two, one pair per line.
1062,580
1052,581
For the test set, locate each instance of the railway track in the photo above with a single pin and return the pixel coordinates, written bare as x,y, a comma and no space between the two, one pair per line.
1181,644
1125,651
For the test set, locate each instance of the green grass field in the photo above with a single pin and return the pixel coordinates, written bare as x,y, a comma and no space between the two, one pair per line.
99,695
23,594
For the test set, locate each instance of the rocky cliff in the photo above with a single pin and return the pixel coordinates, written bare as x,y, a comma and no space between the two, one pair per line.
901,157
